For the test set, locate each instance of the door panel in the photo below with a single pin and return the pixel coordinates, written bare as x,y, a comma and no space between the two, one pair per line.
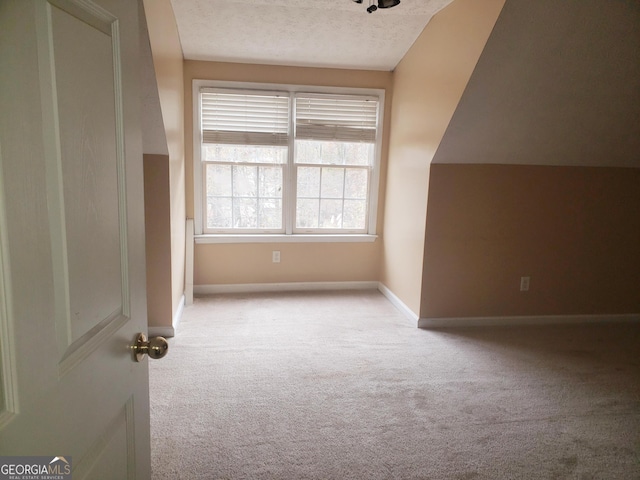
85,162
73,245
88,168
112,443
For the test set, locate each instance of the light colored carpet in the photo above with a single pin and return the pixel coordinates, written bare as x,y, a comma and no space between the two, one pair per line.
342,386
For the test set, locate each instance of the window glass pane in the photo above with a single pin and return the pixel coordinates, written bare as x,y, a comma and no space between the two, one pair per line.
334,152
308,151
329,211
356,184
219,212
218,180
355,214
308,182
245,212
270,213
244,196
332,183
245,181
243,153
307,213
330,214
358,153
270,184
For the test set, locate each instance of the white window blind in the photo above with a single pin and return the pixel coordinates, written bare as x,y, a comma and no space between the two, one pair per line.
244,118
336,118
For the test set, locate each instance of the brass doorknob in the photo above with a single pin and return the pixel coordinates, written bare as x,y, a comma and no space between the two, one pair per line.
156,347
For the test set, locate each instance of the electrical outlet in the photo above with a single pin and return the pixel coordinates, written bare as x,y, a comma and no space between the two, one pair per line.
275,256
524,284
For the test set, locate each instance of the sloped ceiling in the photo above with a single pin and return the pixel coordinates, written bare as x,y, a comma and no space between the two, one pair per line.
558,83
154,139
318,33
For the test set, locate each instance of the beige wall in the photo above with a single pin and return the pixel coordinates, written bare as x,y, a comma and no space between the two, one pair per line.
168,63
428,84
251,263
574,230
157,206
300,262
537,174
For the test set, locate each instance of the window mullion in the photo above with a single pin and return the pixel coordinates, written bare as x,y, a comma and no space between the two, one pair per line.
344,188
205,197
320,197
290,177
258,216
233,198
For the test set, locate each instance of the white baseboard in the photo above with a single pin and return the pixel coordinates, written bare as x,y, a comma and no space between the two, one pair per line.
425,323
177,316
399,304
455,322
282,287
169,331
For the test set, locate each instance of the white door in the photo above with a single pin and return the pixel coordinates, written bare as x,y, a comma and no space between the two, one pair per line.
72,278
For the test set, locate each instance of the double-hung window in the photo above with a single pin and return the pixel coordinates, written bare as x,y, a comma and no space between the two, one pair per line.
244,151
286,161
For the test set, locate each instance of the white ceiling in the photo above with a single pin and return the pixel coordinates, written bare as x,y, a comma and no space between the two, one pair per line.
319,33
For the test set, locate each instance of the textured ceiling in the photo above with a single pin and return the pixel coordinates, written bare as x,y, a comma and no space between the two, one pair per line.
322,33
558,83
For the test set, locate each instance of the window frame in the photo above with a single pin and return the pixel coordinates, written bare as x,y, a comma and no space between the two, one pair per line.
289,169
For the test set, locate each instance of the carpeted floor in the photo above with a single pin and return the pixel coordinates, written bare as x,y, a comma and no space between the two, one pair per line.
342,386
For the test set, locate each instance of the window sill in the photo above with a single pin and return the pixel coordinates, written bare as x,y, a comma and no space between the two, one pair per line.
279,238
